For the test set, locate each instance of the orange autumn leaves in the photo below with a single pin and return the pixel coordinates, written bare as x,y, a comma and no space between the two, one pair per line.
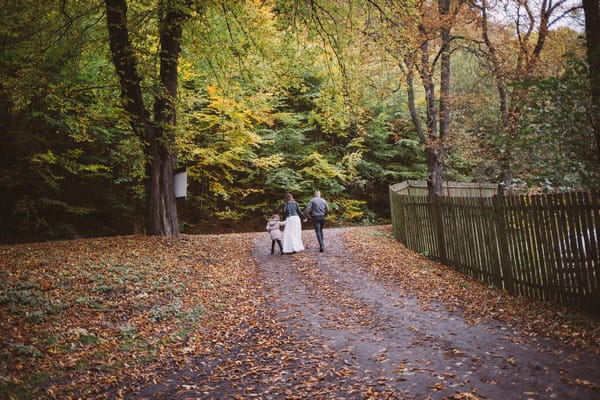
430,281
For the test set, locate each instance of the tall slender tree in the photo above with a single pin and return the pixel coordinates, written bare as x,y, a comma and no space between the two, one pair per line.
435,35
591,9
156,129
418,36
514,58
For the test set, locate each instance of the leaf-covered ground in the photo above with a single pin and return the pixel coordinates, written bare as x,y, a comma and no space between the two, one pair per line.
217,316
79,316
433,282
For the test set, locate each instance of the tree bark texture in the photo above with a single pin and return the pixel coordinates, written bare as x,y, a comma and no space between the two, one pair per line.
161,208
433,145
435,167
444,7
444,106
125,64
591,9
413,107
438,115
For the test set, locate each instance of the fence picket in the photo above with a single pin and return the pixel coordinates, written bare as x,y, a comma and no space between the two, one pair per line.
577,233
464,238
476,225
486,231
524,265
594,303
449,234
586,229
471,265
559,216
515,254
533,265
539,245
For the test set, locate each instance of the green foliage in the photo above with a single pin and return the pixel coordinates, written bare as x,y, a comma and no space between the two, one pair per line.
259,115
557,147
61,158
349,210
269,102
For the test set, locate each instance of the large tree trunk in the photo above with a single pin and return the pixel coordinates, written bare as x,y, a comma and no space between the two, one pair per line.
125,64
591,9
161,209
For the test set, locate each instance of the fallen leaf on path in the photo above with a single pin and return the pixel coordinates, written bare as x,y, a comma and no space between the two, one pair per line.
582,382
464,395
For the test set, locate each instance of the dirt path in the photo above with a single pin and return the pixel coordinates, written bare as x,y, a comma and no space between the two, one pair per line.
396,348
324,328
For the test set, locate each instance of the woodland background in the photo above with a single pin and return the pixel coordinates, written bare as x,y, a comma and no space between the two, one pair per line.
285,96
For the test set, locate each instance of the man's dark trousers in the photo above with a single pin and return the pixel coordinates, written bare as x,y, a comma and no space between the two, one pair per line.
318,223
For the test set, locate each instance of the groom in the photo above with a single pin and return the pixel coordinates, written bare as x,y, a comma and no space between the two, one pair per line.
318,209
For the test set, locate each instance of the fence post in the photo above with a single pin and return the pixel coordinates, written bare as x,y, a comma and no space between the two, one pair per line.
498,203
397,216
393,213
439,228
401,218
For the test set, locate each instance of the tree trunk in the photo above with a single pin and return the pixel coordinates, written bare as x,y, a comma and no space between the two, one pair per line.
495,64
591,10
438,156
444,7
161,210
413,107
435,165
507,177
432,147
125,64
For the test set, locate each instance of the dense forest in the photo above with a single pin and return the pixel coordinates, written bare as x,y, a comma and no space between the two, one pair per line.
101,101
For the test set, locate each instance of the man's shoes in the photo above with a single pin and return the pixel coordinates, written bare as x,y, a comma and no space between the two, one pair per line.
321,249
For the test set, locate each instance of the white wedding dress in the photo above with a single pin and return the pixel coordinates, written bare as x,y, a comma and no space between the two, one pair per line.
292,235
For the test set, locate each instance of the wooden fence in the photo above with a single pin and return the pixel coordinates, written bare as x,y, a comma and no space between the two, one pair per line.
451,189
542,246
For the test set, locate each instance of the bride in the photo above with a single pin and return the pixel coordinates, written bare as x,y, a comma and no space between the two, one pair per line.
292,233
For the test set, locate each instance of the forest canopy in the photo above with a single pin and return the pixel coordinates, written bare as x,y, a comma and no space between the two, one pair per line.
259,98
